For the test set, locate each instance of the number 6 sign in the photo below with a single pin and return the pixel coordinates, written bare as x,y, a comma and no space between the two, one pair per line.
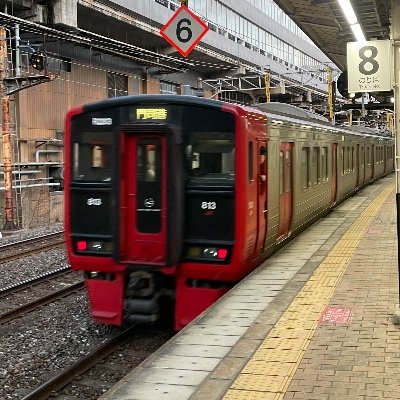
184,30
369,66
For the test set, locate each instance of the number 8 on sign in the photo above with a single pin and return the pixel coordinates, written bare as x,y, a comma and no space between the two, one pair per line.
369,66
184,30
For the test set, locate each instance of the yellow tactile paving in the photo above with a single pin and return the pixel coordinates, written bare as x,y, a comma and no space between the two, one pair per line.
249,395
260,383
274,368
268,374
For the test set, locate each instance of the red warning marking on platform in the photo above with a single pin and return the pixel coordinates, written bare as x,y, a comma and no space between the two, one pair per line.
336,315
375,230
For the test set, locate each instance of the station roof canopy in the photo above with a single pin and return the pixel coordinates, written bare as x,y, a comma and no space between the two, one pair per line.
324,22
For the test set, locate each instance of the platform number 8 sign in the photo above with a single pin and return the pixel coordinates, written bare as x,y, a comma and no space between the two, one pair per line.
184,30
369,66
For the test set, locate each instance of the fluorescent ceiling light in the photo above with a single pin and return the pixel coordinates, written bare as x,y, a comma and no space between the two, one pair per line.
348,11
358,33
351,17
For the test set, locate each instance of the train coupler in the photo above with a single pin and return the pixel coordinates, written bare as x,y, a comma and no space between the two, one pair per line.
142,297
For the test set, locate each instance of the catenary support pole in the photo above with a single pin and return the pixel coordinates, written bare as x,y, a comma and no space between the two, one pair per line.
7,152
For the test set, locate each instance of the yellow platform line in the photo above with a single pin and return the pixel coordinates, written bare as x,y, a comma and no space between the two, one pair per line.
268,374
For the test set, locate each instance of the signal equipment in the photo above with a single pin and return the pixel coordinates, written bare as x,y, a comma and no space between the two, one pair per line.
38,60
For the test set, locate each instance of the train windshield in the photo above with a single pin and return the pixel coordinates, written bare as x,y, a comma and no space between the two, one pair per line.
211,157
91,157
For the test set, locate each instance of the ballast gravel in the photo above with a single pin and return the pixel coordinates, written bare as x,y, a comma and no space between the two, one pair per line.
48,340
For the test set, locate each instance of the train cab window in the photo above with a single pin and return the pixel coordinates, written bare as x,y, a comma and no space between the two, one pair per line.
211,156
91,157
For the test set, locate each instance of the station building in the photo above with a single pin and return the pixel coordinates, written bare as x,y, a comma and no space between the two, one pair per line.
63,53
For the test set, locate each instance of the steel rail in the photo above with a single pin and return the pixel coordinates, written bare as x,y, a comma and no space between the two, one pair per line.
17,312
59,381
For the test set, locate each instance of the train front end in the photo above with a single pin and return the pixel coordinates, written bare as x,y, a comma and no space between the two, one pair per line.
150,205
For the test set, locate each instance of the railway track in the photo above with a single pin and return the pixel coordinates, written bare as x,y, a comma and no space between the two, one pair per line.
82,380
15,250
11,296
24,296
89,377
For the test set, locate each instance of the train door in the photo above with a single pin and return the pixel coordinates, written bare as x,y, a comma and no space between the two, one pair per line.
285,189
150,197
143,200
262,195
334,173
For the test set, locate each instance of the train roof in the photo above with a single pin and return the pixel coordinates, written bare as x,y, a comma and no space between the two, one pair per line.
273,110
152,98
290,111
292,114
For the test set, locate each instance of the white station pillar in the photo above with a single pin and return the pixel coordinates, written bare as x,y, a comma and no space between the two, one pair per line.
395,36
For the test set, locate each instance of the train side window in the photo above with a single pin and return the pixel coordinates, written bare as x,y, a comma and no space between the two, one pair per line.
250,155
316,168
288,171
305,167
352,159
368,157
263,164
324,164
362,156
342,158
281,168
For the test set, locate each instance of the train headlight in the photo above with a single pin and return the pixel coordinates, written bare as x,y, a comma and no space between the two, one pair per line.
210,252
207,253
94,246
215,253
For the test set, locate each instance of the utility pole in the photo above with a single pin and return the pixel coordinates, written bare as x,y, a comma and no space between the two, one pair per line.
7,152
267,81
330,95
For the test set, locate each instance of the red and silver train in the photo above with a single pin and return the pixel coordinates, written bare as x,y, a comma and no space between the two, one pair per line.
171,200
